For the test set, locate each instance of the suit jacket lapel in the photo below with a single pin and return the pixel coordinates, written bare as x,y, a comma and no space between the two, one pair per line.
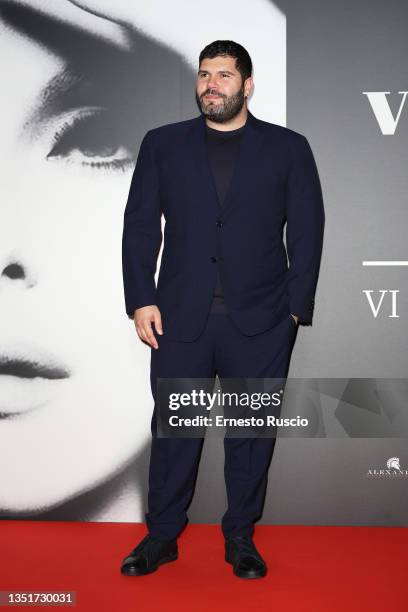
251,140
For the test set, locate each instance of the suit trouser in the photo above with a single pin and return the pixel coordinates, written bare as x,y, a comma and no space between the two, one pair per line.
220,349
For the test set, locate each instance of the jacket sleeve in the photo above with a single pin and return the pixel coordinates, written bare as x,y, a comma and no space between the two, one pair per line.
142,235
304,230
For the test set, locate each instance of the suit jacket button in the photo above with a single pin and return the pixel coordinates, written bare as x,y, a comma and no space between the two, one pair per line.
213,259
219,223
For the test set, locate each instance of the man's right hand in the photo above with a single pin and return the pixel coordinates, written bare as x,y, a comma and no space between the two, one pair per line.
143,319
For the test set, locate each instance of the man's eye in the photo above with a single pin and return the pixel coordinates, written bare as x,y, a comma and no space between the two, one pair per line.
94,138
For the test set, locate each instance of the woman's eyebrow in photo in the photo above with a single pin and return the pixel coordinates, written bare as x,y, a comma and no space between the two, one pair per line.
32,16
96,72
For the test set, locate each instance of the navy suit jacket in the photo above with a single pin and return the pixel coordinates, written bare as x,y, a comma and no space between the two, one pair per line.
275,181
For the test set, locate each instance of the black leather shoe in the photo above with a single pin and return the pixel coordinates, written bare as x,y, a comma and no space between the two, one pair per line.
148,555
240,551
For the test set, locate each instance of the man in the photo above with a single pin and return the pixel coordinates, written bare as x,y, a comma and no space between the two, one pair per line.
226,301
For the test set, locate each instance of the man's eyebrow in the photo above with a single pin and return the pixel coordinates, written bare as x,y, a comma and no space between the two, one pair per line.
227,71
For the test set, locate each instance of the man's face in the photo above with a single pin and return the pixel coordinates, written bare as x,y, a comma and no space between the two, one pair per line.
220,92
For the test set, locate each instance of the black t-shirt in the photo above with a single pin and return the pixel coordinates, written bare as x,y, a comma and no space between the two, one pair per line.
223,149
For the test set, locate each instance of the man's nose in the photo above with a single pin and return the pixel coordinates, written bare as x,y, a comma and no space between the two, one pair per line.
213,90
212,84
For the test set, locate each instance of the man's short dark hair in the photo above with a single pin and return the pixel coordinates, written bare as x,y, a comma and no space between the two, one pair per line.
243,61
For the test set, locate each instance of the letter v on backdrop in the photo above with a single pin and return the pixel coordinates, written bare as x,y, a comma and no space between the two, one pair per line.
382,111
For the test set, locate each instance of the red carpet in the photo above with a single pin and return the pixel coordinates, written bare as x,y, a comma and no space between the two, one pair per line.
310,568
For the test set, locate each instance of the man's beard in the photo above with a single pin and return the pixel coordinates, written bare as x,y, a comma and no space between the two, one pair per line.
220,113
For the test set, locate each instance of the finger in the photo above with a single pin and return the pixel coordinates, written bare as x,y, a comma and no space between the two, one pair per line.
147,328
142,334
158,323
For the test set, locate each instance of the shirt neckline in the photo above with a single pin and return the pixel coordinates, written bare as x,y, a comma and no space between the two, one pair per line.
223,133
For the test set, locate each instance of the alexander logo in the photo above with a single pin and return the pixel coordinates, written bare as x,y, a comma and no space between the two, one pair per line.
393,470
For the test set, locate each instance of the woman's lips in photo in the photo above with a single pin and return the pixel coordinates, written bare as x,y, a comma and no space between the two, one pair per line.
27,382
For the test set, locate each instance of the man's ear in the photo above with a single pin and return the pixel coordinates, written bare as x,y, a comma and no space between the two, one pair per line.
248,84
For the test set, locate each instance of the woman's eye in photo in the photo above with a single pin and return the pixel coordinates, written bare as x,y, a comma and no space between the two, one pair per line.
94,138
